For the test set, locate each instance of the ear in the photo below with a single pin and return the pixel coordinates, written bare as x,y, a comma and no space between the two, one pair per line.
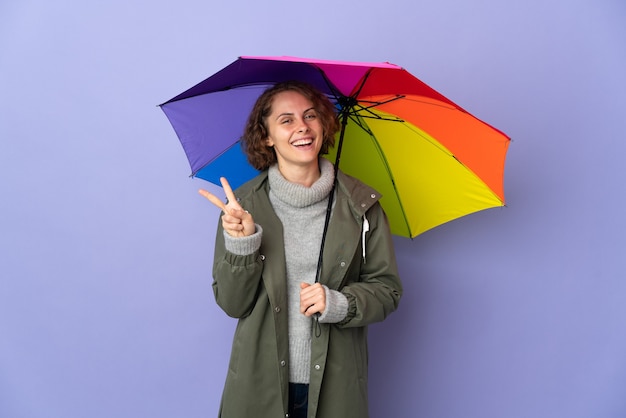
269,142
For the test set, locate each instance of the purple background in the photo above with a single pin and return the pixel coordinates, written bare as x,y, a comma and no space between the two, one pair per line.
106,308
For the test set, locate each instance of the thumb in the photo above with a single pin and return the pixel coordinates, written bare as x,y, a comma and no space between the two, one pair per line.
304,285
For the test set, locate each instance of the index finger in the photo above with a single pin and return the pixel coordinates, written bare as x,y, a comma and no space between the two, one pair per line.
213,199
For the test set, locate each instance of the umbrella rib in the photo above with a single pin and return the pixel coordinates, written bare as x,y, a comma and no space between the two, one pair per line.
355,117
371,105
334,91
376,116
374,104
390,174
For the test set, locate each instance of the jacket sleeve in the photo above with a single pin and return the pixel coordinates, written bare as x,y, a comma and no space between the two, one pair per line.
375,289
236,278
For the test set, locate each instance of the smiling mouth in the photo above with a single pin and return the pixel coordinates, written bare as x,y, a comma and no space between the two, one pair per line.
302,142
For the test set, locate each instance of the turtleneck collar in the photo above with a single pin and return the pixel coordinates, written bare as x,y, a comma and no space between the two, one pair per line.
300,196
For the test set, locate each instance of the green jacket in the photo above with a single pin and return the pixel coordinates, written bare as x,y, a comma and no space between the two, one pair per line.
253,288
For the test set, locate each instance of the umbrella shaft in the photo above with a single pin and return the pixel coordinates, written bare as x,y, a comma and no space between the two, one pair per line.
344,121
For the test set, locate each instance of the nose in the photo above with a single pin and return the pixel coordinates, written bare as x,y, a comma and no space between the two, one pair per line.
303,126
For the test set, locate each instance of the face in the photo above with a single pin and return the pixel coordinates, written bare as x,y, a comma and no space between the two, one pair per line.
294,130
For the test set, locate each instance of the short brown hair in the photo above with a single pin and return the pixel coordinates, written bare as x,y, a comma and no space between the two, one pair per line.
253,141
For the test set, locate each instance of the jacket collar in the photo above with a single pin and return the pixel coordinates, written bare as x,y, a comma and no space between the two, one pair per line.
360,195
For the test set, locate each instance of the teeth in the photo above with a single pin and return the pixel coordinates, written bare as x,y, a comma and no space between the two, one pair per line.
303,142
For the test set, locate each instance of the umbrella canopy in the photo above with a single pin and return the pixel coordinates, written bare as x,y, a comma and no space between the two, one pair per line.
430,159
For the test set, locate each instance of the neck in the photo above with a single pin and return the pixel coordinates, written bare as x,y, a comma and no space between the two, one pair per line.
303,175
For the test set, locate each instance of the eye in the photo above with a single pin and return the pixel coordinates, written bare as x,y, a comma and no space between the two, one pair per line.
285,121
310,116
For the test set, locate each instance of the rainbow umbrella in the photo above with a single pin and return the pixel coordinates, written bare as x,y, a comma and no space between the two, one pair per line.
431,160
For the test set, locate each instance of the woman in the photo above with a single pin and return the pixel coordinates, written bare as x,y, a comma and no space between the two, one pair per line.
300,347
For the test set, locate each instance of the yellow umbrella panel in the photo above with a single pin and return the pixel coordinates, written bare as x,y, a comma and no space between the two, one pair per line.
423,183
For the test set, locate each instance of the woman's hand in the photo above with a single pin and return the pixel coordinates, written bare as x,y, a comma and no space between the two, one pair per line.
312,298
236,221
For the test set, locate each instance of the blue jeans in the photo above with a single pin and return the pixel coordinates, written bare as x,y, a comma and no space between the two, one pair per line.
298,400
